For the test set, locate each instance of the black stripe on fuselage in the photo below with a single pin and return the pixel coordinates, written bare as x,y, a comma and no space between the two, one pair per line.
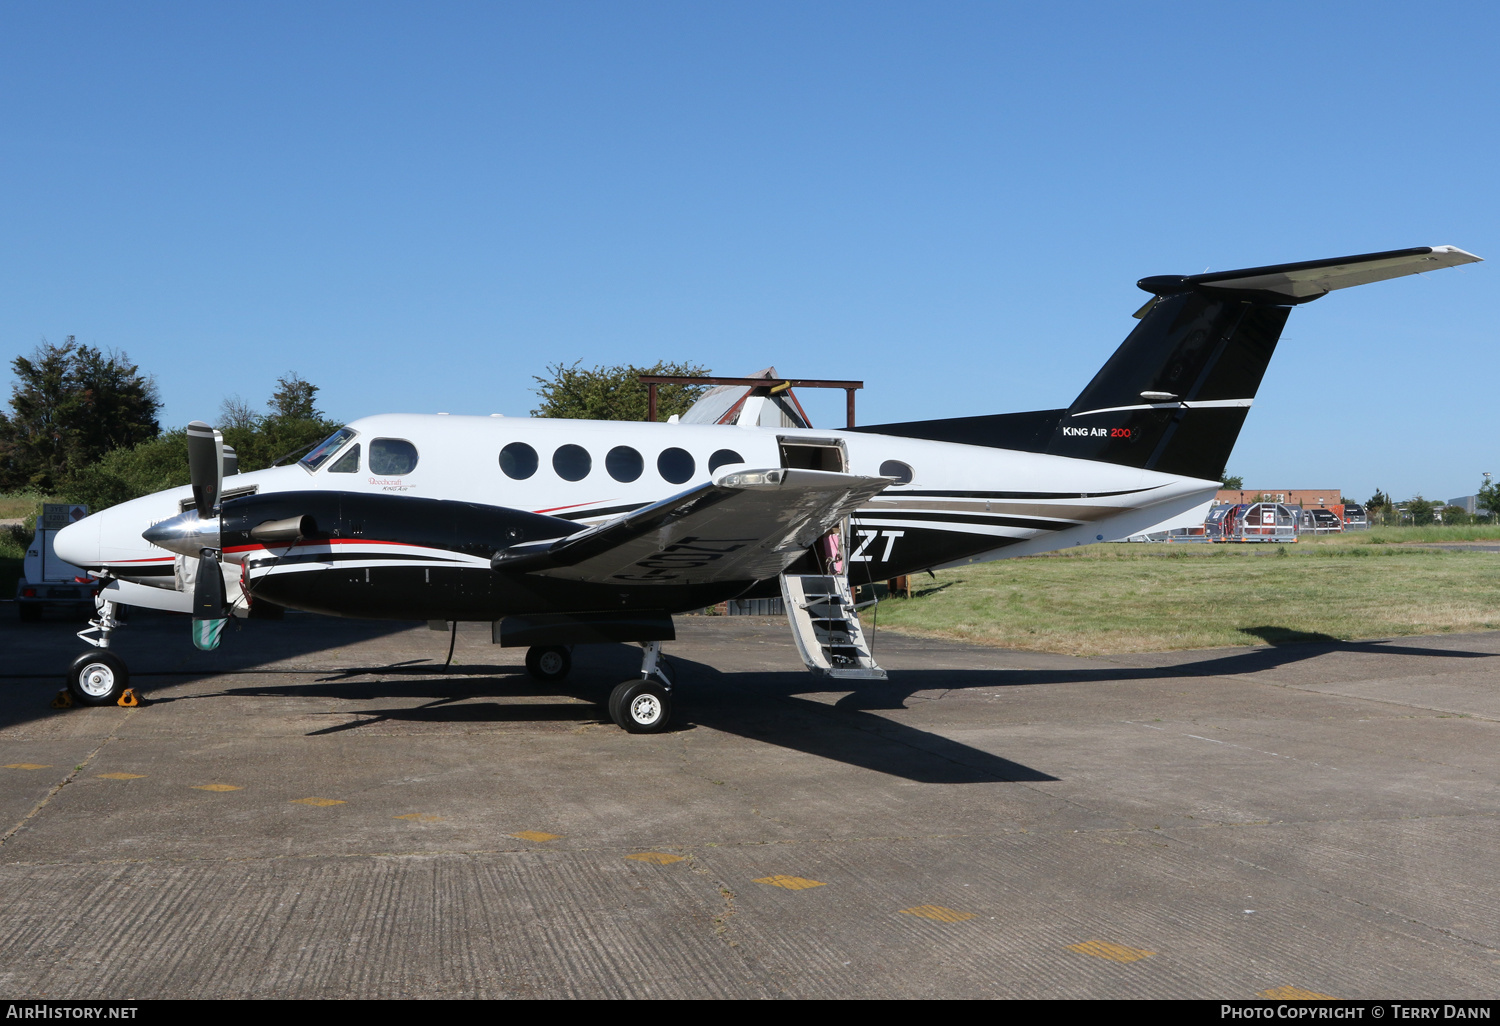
154,570
893,493
992,519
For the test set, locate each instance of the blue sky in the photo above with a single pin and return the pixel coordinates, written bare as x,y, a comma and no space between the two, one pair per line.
419,207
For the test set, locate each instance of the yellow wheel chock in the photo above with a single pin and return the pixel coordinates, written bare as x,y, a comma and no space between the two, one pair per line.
127,699
64,700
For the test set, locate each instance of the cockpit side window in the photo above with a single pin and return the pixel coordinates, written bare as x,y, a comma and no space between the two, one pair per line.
394,456
347,463
326,448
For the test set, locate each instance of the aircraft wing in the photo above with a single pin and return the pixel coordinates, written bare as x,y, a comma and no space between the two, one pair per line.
746,525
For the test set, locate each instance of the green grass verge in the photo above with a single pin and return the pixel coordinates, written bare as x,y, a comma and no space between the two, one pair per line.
16,505
1400,535
1104,599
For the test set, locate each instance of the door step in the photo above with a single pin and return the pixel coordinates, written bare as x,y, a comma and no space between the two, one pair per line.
820,609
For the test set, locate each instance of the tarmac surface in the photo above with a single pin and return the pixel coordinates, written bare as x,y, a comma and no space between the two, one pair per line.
322,809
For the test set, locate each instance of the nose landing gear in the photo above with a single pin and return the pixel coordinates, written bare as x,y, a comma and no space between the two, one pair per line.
99,677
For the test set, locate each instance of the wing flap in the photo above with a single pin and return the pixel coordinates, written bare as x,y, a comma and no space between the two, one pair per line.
747,525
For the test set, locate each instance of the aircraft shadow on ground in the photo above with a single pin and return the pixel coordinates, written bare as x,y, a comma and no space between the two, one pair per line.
767,706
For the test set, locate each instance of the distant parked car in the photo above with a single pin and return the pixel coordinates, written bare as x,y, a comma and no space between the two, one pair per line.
1355,519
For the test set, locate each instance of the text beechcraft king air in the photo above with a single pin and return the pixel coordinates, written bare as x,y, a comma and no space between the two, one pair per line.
564,532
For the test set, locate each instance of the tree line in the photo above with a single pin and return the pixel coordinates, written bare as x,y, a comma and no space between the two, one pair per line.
83,422
83,426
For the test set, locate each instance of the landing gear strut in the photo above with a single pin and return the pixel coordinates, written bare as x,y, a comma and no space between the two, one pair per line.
644,706
99,677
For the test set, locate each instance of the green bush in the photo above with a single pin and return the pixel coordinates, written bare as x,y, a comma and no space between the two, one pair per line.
162,462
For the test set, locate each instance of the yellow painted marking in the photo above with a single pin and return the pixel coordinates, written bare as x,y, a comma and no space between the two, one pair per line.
321,803
659,858
791,883
537,836
121,776
420,817
1113,952
216,787
1290,993
25,765
938,912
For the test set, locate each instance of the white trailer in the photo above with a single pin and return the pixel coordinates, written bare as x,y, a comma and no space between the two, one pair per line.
47,579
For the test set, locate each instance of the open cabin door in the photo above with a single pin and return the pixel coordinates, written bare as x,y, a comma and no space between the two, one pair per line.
820,605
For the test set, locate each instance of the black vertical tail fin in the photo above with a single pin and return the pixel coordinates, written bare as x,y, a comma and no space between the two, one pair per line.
1174,395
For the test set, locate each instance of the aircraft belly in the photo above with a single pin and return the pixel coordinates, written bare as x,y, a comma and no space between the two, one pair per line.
386,592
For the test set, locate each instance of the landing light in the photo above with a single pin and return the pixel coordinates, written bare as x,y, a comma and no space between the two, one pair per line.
751,479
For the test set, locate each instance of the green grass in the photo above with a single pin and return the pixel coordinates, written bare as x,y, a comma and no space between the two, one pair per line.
17,505
1400,535
1145,598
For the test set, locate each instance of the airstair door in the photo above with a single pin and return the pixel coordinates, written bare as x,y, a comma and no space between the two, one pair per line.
829,638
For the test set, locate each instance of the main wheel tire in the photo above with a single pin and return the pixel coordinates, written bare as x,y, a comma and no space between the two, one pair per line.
548,663
98,678
641,707
614,700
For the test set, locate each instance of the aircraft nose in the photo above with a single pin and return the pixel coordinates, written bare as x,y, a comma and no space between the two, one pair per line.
78,543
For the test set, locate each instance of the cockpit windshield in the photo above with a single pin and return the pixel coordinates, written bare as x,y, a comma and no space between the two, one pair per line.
326,448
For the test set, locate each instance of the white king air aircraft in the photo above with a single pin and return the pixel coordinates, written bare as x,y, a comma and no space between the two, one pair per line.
563,532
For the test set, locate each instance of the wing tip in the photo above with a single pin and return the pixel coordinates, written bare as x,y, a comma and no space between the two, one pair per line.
1458,256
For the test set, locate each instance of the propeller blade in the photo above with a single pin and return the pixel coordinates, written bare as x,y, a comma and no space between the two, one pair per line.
206,465
208,587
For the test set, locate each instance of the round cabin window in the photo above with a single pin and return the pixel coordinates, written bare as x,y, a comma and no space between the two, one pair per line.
624,463
723,458
518,460
572,462
675,465
895,468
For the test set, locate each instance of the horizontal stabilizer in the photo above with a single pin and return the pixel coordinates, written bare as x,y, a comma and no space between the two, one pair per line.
747,525
1310,279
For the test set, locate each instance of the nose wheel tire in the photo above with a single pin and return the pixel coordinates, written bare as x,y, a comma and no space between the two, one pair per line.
98,678
640,706
548,662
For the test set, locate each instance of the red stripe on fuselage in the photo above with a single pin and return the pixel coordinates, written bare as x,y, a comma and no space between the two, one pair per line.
333,541
576,505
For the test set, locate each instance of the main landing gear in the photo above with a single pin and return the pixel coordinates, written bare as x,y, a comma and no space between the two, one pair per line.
548,663
99,677
644,706
640,706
